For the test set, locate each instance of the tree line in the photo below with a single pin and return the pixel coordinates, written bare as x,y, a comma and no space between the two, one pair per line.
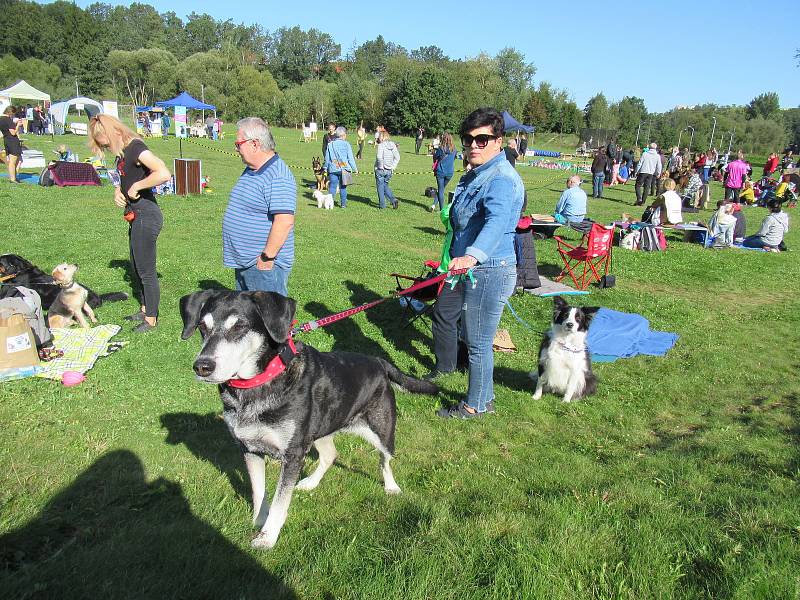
288,76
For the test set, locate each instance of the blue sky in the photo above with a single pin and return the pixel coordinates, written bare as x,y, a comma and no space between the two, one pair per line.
669,53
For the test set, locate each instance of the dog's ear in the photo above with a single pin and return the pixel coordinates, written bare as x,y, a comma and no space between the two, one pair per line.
589,312
191,307
558,305
276,311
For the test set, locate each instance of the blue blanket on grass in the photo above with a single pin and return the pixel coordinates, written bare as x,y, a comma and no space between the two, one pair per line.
614,334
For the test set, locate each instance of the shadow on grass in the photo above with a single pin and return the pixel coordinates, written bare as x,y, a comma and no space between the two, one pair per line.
112,534
129,276
429,230
212,284
348,337
388,317
207,437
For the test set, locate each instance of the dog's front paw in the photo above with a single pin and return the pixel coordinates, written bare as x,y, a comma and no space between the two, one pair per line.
262,542
537,395
393,489
567,399
307,484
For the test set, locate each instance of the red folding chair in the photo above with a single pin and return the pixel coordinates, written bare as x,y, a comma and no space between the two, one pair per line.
594,252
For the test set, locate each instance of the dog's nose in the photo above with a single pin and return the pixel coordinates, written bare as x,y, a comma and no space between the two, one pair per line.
204,366
569,325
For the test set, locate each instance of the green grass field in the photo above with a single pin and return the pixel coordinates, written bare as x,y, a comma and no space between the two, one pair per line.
678,479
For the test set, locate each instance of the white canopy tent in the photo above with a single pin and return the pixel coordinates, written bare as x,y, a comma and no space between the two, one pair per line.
60,110
21,90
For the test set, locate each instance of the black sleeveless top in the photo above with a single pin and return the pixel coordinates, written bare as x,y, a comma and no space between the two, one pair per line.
130,170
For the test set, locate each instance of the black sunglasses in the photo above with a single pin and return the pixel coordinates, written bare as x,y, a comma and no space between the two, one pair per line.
480,140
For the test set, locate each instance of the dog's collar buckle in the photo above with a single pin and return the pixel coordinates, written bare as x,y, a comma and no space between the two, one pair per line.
274,368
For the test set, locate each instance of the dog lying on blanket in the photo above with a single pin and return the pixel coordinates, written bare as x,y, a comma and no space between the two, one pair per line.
281,397
30,276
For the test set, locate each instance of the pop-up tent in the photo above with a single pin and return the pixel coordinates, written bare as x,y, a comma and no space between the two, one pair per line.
21,90
511,124
60,110
184,99
24,91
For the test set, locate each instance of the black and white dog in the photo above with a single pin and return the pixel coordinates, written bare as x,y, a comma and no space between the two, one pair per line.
279,397
565,365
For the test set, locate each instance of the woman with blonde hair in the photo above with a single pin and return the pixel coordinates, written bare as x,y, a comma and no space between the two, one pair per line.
443,167
139,170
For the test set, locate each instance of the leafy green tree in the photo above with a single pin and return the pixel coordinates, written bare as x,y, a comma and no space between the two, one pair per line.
295,56
370,58
766,106
144,75
295,106
422,98
630,112
431,55
252,93
597,113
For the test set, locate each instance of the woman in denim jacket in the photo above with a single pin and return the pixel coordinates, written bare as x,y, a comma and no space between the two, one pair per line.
483,215
338,158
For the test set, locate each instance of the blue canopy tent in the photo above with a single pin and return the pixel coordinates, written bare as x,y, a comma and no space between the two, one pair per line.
511,124
184,99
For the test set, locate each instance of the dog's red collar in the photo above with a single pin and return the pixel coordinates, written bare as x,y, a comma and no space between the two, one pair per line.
274,368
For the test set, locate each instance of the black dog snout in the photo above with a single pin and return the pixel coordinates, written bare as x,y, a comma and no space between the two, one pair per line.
569,325
204,366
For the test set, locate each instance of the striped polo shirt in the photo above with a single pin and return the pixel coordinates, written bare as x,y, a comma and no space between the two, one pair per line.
255,200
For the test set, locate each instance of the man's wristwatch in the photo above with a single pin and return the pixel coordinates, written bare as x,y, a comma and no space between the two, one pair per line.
266,258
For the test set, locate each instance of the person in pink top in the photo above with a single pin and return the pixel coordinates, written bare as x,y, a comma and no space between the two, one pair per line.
737,170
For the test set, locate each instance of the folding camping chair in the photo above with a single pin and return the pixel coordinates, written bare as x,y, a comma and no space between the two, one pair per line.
594,253
426,296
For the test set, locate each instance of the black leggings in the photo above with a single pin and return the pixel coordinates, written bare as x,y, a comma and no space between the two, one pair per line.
143,234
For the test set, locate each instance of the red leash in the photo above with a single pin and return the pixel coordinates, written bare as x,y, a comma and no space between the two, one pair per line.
311,325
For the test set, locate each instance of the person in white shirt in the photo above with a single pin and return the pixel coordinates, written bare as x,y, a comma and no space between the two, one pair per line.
722,224
669,205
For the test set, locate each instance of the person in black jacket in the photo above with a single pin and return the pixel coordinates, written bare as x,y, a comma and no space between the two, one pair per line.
599,166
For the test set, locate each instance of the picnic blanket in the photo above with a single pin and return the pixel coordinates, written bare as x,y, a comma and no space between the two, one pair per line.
81,349
614,334
552,288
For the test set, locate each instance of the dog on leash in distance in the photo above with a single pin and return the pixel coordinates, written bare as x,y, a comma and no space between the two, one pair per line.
71,302
323,200
565,365
280,397
319,174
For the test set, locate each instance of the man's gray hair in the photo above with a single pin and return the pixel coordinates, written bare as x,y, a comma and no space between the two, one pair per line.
254,128
341,132
573,181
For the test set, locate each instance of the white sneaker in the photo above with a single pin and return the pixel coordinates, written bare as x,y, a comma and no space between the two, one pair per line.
432,208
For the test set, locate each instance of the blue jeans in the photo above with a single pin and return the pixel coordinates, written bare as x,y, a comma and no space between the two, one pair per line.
597,184
274,280
441,183
483,307
382,177
334,180
706,172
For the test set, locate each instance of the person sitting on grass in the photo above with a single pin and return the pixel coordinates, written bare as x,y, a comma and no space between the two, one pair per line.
571,206
748,194
621,175
668,205
774,226
691,197
722,224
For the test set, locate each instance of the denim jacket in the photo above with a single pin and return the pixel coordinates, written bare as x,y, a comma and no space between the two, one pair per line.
338,156
485,211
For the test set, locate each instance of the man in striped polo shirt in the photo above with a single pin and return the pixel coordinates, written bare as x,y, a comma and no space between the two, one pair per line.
258,226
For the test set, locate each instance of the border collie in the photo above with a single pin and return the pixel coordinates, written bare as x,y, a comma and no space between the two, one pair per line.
565,365
306,398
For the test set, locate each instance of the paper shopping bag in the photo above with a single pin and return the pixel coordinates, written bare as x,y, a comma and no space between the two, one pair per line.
17,345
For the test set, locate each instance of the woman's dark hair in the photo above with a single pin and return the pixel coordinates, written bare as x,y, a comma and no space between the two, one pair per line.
774,205
481,118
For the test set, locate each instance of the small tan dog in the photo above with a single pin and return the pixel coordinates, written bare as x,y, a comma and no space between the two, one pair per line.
71,300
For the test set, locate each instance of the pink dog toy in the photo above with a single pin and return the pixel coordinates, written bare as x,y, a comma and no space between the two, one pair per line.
71,378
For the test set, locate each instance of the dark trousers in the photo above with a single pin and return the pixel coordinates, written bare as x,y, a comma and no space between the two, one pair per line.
732,193
419,144
360,150
444,325
643,183
143,234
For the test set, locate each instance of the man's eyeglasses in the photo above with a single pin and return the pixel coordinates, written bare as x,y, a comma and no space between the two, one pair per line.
481,141
238,143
